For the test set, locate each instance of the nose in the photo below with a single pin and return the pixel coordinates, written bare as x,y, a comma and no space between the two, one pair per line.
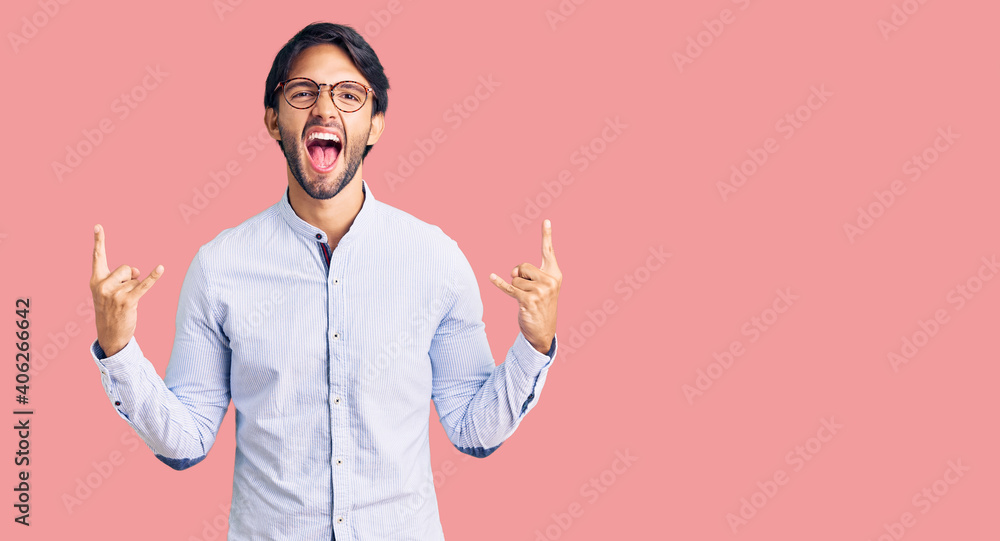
324,106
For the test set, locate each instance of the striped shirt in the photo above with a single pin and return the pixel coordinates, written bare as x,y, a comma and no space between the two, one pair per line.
331,359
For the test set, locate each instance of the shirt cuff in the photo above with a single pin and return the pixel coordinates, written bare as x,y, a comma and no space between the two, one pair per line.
120,363
533,365
530,359
118,369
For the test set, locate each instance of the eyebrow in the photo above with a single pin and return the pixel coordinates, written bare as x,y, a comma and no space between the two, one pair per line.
349,78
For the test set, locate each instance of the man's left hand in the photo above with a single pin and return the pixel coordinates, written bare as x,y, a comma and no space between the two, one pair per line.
537,292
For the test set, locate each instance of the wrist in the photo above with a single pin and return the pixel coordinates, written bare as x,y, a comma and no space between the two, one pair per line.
111,348
542,348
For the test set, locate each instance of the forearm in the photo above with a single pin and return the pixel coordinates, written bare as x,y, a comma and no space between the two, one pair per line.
173,428
491,413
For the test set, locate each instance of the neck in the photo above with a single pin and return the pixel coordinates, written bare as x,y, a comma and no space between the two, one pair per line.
335,215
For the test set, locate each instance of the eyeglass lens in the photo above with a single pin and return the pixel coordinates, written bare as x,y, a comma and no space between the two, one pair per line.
348,96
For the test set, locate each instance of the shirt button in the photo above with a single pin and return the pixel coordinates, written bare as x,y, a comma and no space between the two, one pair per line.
340,520
336,336
319,235
339,462
336,281
336,400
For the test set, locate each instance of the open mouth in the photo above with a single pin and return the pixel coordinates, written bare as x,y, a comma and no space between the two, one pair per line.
323,149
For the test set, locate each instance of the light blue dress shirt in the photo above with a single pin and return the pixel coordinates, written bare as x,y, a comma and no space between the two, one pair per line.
331,360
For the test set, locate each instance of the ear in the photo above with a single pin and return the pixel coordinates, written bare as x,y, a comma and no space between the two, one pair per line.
271,123
378,124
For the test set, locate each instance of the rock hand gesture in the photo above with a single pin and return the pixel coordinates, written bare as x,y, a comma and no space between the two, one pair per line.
116,297
537,292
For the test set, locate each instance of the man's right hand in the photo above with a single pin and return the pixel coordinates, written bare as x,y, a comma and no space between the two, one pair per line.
116,297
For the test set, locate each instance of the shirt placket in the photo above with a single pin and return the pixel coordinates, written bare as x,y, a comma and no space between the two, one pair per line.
336,262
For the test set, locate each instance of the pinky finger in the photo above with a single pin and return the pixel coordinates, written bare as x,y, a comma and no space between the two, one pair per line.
504,286
144,285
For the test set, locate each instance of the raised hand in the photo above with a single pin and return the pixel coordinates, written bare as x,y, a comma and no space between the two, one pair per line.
116,297
537,292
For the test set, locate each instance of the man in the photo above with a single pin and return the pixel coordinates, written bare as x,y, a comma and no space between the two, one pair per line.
329,320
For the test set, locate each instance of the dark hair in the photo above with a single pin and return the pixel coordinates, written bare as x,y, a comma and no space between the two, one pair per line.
342,36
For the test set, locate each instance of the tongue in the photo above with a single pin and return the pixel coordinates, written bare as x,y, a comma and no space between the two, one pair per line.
323,156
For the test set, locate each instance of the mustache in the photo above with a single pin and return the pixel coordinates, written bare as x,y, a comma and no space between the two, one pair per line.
329,126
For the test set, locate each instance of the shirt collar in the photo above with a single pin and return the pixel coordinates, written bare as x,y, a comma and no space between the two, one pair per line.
314,233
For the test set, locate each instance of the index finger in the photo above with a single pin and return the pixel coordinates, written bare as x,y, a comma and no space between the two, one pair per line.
101,269
548,252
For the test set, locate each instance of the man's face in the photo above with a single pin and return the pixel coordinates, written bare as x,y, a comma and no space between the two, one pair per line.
322,167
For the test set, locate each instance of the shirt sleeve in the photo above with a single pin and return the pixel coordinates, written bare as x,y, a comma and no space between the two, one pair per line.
478,403
178,416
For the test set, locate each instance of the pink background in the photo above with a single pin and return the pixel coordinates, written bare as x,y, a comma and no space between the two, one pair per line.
654,185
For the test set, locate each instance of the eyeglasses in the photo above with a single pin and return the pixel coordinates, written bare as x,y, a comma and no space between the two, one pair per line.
301,93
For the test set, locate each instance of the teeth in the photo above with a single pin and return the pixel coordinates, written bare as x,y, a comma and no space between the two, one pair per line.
324,136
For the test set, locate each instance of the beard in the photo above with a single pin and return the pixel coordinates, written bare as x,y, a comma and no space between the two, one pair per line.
322,185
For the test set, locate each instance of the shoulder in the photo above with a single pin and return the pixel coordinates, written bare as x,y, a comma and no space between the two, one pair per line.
403,228
235,243
429,253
